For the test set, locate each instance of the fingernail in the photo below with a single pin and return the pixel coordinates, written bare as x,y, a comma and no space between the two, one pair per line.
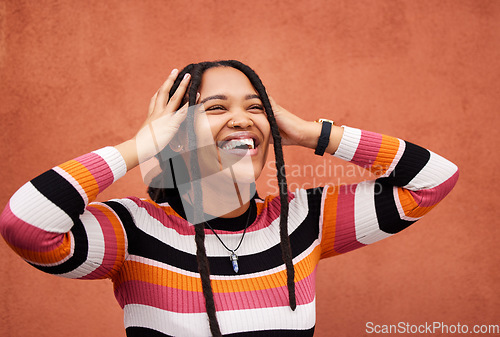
198,96
186,76
174,71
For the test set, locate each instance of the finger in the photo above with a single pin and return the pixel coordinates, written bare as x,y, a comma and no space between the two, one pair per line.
162,98
152,104
179,116
176,98
183,109
273,103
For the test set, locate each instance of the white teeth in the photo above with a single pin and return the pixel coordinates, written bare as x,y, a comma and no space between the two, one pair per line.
233,143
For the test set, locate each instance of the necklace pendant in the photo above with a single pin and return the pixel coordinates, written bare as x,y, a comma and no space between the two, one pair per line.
234,261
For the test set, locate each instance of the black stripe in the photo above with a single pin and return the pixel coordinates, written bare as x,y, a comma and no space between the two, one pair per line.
125,218
135,331
412,161
60,192
80,252
385,206
274,333
142,244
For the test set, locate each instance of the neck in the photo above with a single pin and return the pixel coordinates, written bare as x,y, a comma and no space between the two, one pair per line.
237,212
221,200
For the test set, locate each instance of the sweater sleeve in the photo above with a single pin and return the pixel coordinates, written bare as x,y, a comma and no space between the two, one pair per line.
410,181
52,224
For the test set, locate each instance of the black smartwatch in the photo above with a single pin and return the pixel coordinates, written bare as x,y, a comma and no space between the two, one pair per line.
324,138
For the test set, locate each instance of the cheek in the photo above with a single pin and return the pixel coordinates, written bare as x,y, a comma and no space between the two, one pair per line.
207,128
264,127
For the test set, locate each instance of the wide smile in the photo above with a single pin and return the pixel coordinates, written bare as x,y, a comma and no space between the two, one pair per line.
240,144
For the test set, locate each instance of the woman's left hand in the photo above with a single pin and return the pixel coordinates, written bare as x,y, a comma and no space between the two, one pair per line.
293,129
296,131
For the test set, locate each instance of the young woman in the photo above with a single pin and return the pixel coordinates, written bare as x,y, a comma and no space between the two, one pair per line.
206,255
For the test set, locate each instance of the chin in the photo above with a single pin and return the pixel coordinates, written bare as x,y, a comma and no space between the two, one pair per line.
245,172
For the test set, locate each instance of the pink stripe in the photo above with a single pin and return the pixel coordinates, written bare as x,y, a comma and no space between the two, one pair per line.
183,301
174,222
368,148
98,168
182,227
269,213
430,197
110,246
25,236
345,232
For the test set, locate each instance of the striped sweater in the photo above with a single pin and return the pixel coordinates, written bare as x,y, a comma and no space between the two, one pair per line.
148,249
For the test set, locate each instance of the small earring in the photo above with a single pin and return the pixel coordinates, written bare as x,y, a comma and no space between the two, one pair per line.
177,147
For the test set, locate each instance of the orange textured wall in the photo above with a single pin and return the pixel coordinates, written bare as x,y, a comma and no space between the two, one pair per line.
78,75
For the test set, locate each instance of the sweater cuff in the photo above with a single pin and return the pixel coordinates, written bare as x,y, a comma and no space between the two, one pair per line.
348,144
114,160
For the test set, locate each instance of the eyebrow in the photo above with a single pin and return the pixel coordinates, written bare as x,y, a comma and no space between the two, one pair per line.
224,97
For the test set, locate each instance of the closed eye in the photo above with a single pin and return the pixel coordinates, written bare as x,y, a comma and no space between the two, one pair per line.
216,108
256,107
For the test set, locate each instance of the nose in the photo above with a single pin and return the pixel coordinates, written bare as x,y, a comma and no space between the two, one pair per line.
240,119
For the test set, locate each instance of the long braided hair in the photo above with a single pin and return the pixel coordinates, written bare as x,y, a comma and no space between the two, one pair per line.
163,194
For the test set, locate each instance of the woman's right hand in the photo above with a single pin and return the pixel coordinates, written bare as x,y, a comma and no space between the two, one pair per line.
161,125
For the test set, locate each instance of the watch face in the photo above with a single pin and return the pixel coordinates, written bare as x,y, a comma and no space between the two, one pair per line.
321,120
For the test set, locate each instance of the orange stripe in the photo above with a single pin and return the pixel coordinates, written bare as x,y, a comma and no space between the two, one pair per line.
329,223
167,209
119,236
136,271
263,205
49,257
83,176
410,206
388,150
170,211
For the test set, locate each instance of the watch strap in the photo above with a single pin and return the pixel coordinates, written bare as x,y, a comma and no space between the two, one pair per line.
324,138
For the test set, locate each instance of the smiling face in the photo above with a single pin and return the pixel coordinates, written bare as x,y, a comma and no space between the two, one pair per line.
234,119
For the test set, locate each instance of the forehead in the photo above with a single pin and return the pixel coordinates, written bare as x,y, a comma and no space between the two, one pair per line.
225,80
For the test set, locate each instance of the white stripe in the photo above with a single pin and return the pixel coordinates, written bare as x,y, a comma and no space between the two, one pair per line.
435,172
96,247
114,160
400,207
254,242
231,321
322,210
399,154
29,205
348,144
73,182
365,215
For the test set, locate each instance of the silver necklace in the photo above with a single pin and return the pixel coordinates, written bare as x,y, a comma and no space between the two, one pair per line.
232,257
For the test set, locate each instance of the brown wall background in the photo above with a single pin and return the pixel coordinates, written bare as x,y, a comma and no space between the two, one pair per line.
78,75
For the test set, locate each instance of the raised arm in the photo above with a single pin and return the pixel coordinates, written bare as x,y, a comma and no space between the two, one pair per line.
52,221
48,221
410,181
